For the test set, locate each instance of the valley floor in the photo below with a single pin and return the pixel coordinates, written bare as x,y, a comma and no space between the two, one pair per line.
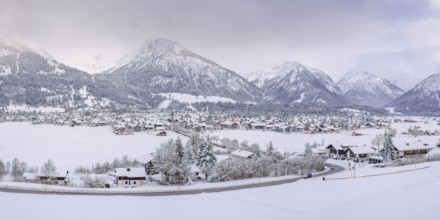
70,147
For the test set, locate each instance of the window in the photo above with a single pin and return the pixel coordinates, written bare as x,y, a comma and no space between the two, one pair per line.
134,182
126,182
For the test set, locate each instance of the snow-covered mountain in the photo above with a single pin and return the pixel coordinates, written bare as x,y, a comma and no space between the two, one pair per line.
293,82
96,64
363,88
164,66
423,98
28,78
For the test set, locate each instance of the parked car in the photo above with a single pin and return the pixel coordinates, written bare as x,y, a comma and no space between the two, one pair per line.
308,175
333,167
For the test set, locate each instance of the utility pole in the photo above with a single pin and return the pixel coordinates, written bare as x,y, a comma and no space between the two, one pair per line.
354,170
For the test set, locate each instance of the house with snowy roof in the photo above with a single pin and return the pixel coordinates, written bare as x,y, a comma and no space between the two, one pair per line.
149,164
257,125
229,125
406,149
362,152
243,154
131,176
59,177
336,150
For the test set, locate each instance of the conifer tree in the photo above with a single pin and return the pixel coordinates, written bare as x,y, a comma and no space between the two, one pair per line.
388,152
206,158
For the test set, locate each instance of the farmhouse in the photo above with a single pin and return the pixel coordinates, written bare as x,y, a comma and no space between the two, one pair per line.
243,154
57,178
132,176
229,125
257,126
147,161
412,149
336,150
284,129
359,152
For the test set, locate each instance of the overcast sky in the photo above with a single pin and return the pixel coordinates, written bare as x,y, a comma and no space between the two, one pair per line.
398,39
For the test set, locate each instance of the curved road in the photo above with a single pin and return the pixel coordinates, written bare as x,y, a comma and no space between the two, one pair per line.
183,192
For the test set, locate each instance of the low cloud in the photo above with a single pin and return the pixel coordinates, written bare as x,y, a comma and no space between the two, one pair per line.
398,39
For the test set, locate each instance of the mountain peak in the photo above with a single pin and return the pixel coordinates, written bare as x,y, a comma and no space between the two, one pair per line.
159,45
364,88
277,70
7,43
430,84
164,66
151,50
424,98
292,81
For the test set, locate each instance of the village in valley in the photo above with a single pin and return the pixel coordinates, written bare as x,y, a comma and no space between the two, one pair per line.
196,149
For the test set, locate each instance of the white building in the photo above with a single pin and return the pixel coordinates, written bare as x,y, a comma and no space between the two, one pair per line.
132,176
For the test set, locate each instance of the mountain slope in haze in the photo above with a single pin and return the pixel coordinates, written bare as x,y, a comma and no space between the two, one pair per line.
363,88
28,78
293,82
96,64
164,66
424,98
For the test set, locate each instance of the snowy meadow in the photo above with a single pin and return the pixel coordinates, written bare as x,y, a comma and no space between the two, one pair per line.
70,147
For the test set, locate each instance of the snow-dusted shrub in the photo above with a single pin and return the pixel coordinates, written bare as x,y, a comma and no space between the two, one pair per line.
101,168
82,170
236,168
48,169
18,169
2,169
435,157
170,157
95,182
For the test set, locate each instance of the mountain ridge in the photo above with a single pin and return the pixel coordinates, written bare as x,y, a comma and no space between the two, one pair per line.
364,88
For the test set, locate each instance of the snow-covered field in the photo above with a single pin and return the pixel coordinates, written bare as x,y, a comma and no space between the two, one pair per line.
407,195
294,142
72,146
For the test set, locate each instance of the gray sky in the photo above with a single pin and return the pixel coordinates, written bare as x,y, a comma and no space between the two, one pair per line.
398,39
